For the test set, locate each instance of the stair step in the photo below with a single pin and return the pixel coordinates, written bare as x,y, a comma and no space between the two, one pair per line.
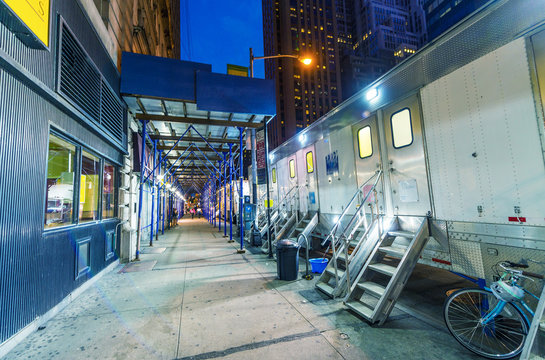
372,287
401,233
361,308
394,251
331,271
326,288
383,268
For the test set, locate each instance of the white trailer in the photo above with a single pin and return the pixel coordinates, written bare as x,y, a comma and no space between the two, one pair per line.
456,135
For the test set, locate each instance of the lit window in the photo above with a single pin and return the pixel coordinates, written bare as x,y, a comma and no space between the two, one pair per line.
365,144
108,194
292,168
310,162
89,187
61,161
274,175
402,132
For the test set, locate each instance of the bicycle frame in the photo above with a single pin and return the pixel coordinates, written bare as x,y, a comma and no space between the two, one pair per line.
501,305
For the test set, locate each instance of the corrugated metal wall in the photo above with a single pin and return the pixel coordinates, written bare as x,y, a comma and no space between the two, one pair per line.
37,268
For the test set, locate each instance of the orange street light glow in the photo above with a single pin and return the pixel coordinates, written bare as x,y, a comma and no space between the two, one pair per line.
306,61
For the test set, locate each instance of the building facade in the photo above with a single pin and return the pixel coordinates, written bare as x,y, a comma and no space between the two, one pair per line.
442,14
150,27
65,139
306,28
385,32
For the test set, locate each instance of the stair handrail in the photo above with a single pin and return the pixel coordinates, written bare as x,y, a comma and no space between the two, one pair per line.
372,190
290,195
333,231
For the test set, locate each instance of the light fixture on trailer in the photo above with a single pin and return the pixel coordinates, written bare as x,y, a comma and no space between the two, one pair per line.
302,138
371,94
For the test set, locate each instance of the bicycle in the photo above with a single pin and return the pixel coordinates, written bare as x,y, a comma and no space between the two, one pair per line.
490,322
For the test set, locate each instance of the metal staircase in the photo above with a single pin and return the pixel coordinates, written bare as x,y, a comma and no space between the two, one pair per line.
283,216
352,245
379,283
306,225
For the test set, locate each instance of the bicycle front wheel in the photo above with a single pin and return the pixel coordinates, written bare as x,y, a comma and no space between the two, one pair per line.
501,338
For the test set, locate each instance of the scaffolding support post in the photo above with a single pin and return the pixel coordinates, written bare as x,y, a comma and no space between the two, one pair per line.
164,200
224,194
253,141
158,199
139,229
241,194
152,187
231,193
219,197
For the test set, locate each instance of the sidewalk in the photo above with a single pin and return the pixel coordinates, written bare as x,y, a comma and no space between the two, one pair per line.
193,297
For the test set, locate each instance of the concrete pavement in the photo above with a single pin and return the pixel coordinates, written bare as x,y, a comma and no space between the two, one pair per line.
193,297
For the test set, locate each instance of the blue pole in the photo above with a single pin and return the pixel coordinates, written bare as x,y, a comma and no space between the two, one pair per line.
164,207
231,193
152,193
224,196
219,197
158,200
241,196
139,235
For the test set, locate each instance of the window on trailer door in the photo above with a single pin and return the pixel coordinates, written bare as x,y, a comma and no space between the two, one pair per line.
365,145
89,189
310,162
274,175
292,168
402,130
59,198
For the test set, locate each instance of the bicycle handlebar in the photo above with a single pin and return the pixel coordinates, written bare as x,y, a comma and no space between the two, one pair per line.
522,266
531,274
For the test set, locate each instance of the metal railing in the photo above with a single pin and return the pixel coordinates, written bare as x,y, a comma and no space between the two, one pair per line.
340,243
284,208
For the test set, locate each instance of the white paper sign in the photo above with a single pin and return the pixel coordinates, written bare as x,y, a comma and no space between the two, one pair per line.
408,192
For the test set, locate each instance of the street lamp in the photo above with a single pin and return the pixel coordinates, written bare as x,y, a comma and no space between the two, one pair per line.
306,61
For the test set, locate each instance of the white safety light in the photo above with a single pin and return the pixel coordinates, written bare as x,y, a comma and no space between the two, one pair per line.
371,94
336,219
302,138
271,157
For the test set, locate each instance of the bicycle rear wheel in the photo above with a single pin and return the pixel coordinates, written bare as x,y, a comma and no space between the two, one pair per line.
502,338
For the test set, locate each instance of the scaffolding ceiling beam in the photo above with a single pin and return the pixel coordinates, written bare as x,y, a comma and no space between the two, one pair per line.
197,121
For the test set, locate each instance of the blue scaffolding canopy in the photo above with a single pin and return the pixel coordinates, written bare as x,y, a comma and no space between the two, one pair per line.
171,95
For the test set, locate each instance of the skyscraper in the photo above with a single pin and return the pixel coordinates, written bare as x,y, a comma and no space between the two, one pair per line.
302,27
442,14
385,32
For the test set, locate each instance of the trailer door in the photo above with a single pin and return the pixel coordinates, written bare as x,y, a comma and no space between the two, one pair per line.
273,185
406,158
306,175
367,151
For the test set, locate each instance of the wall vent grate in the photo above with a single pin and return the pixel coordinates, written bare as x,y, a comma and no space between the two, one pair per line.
81,83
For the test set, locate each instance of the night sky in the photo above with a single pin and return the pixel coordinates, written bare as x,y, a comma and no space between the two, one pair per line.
220,32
